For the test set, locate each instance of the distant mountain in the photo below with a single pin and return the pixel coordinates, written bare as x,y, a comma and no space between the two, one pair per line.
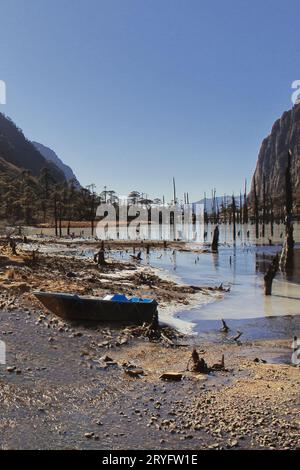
51,156
219,201
273,158
20,153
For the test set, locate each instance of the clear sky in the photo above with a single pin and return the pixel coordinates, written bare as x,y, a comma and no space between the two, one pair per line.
132,92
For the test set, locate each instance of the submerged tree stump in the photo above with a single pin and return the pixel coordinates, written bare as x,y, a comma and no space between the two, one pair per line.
270,274
99,258
215,242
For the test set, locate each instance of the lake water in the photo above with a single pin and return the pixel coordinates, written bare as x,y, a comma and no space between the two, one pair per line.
239,266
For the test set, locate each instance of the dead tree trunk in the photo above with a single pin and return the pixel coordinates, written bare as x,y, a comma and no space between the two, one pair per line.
256,215
264,206
270,274
287,254
215,242
55,215
271,216
234,218
13,246
99,258
60,220
245,208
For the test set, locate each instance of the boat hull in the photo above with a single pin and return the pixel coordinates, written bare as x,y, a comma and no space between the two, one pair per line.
74,307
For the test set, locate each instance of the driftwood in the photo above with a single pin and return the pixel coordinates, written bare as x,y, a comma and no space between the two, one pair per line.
152,330
237,336
176,376
138,257
224,328
166,339
219,365
134,372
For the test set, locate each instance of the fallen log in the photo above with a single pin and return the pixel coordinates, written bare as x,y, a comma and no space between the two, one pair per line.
134,372
175,376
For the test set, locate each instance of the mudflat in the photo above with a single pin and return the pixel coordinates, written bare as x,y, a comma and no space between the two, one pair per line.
69,386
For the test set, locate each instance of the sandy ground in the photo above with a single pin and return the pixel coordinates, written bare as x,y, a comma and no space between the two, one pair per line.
64,385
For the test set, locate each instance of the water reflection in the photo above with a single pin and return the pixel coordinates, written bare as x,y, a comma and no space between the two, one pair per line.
246,305
240,266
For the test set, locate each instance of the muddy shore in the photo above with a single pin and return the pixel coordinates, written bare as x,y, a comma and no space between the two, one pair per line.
65,385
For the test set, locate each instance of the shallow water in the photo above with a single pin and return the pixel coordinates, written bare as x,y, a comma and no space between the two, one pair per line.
245,304
239,266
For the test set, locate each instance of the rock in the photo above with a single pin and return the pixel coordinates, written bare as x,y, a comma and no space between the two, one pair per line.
106,359
272,158
89,435
11,368
77,334
121,341
257,359
71,274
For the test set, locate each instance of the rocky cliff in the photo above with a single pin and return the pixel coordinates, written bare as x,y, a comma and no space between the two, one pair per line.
273,154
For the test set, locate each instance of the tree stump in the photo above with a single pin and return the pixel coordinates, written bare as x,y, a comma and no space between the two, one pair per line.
270,274
215,242
99,258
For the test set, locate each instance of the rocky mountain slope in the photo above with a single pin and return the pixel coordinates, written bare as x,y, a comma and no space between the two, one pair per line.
273,155
51,156
18,151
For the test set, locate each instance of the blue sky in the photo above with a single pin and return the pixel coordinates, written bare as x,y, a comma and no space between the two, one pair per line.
132,92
